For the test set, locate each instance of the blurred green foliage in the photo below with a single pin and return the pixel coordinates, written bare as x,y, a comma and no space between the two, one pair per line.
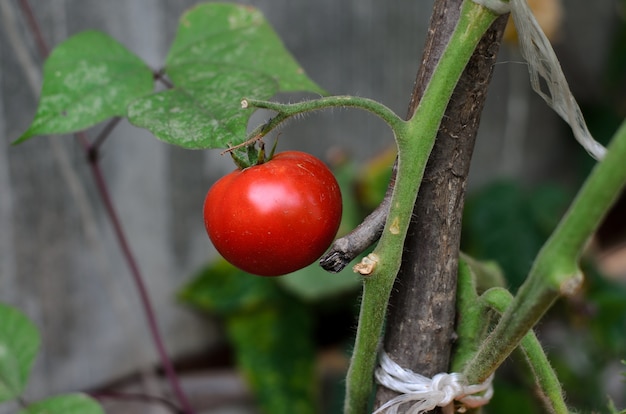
270,331
19,345
508,224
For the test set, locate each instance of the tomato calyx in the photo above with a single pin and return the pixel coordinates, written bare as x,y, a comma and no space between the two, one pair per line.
250,153
248,156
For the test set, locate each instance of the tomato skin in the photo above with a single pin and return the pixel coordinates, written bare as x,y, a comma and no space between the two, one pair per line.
274,218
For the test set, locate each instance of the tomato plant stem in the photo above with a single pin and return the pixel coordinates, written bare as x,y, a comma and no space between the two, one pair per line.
415,140
286,111
548,385
555,271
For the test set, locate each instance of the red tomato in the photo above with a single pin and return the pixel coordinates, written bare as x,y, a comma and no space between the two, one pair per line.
274,218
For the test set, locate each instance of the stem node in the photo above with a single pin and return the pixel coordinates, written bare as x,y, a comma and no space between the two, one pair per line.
367,265
572,285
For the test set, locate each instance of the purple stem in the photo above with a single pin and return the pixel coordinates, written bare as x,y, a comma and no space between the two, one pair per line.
92,155
166,362
44,51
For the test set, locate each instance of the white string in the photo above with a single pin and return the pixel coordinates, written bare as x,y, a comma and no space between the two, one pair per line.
543,65
424,393
496,6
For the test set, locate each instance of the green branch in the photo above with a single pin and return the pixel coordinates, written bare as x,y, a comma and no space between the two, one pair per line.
548,384
555,271
286,111
475,319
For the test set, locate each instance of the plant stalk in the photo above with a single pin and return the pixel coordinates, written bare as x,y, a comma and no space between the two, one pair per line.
286,111
422,311
549,387
555,272
415,142
142,290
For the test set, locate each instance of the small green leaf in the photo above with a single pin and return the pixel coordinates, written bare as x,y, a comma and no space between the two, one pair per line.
508,223
222,53
270,330
275,352
19,343
247,156
65,404
236,38
88,78
314,283
222,288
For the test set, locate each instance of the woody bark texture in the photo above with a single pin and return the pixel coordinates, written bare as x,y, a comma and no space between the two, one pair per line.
420,325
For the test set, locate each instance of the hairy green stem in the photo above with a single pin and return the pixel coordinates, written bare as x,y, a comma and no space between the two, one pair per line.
286,111
475,320
472,318
415,140
547,382
555,271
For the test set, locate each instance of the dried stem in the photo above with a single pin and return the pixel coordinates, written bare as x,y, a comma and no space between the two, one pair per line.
347,248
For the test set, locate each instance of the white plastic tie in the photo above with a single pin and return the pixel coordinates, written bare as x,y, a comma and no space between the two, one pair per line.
544,65
424,394
496,6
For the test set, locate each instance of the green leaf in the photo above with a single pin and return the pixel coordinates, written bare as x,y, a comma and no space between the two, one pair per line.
205,113
275,352
237,37
65,404
222,53
270,331
314,283
88,78
19,343
508,224
222,288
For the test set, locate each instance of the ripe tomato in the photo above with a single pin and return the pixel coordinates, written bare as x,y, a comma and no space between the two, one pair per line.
274,218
